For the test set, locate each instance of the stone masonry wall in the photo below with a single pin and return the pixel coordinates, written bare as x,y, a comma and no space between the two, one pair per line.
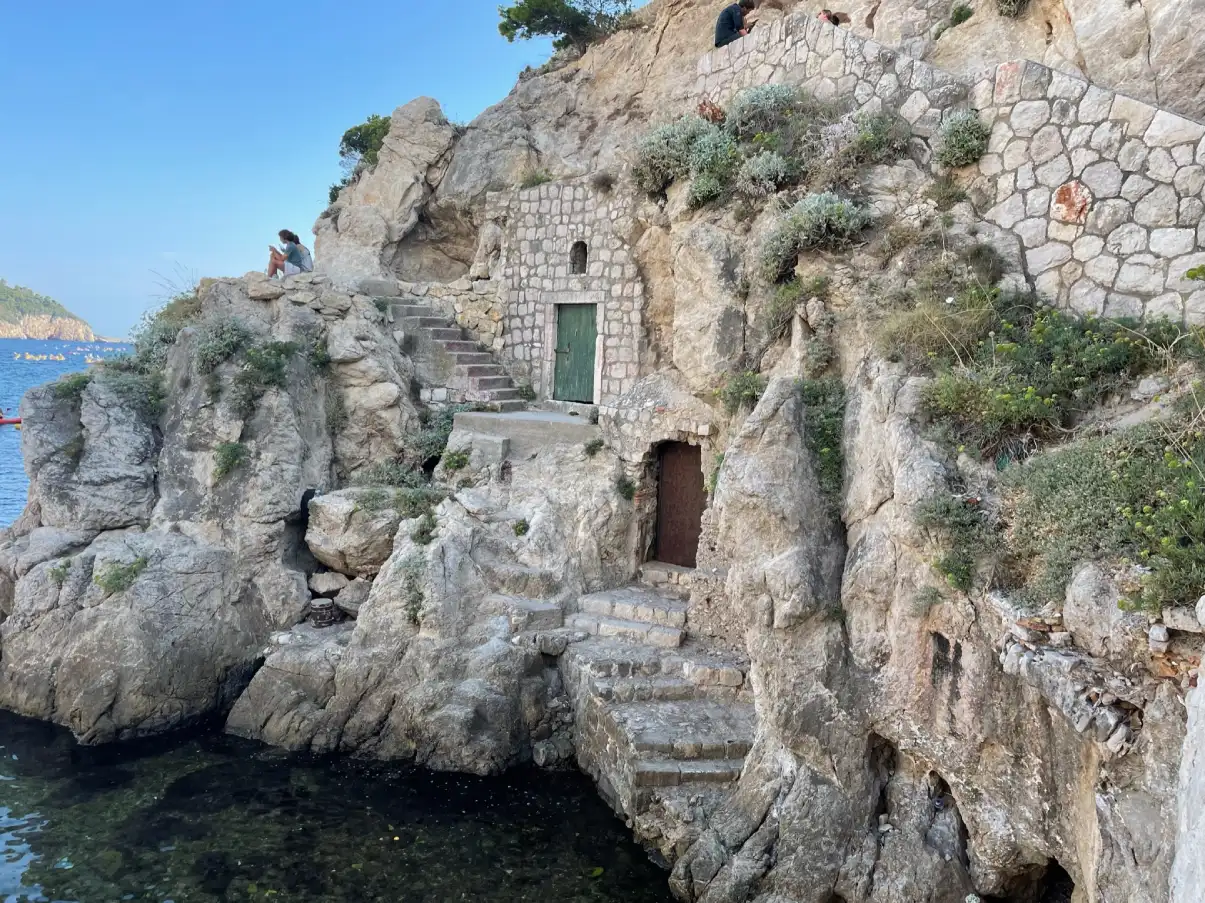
1105,193
542,225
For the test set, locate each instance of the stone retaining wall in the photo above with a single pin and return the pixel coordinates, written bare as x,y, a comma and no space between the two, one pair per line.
1105,193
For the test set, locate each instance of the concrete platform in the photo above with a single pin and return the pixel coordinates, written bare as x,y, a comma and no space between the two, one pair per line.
527,432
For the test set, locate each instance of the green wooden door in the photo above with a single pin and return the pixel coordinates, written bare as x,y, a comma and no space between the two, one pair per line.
576,331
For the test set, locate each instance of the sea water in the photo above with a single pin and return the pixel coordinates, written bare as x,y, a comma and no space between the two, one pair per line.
23,365
211,818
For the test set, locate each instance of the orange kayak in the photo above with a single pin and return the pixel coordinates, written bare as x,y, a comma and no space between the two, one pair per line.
10,421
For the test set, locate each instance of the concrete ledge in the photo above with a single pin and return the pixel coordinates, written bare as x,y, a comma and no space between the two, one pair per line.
527,432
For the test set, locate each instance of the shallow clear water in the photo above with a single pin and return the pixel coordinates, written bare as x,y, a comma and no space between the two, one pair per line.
17,376
212,818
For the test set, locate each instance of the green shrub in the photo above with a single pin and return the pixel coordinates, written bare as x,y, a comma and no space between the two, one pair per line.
926,598
762,109
534,177
960,13
824,429
1196,273
381,304
219,341
715,152
424,532
963,140
413,569
818,221
336,410
454,460
527,392
1010,8
319,356
571,23
427,445
264,367
713,479
392,473
1034,369
228,457
593,447
762,174
117,578
705,188
879,138
663,155
363,142
522,527
780,312
332,193
59,573
740,390
71,387
157,330
963,527
143,393
944,192
626,488
603,182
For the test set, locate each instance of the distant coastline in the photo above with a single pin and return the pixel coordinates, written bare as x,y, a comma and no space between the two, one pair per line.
24,314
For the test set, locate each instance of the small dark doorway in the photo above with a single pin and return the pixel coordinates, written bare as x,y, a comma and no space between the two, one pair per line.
681,500
579,256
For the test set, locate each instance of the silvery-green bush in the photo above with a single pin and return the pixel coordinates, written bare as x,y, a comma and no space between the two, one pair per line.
761,109
714,152
663,154
1010,8
964,138
762,175
818,221
705,188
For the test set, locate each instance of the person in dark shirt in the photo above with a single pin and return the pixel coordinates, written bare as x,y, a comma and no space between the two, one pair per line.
731,24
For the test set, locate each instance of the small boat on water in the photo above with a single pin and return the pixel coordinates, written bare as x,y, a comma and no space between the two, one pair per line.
10,421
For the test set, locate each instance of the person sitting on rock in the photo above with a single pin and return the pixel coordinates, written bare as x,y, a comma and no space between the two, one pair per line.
832,18
290,260
731,25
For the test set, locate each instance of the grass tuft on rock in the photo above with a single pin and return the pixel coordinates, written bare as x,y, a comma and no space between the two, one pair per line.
117,578
741,390
824,429
228,457
962,140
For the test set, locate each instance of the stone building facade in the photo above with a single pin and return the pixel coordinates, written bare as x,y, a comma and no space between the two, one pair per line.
563,245
1105,193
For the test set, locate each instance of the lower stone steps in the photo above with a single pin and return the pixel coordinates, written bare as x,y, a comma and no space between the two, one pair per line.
632,631
660,772
525,614
636,603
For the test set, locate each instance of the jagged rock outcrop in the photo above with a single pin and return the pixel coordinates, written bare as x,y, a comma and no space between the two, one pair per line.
429,670
138,589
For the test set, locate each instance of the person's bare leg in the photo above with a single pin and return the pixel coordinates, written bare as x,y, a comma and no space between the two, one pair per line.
276,264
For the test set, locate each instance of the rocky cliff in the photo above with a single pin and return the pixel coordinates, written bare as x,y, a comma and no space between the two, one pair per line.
926,647
47,327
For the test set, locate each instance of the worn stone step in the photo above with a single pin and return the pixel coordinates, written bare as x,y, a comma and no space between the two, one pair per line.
686,729
608,658
632,631
467,358
510,579
524,613
446,333
509,406
636,603
507,394
404,311
656,772
477,370
415,323
463,346
643,689
671,579
491,382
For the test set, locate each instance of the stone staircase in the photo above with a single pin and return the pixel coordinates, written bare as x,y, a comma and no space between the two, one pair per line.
452,368
658,714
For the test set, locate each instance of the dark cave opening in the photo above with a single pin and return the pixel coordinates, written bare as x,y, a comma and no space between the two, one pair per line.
881,760
1049,883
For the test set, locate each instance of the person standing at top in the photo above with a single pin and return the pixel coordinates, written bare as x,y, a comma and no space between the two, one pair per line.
731,24
290,260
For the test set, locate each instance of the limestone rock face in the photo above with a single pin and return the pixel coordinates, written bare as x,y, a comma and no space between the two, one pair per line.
136,635
113,475
429,670
351,532
1188,875
382,206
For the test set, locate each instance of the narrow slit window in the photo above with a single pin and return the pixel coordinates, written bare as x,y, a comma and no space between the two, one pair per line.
578,258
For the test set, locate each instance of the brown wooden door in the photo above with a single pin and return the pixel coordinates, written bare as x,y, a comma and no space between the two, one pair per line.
681,500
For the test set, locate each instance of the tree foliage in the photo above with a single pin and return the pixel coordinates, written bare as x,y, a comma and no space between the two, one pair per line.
364,141
572,23
17,302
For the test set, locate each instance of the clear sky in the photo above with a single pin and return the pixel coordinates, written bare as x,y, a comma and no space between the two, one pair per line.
139,138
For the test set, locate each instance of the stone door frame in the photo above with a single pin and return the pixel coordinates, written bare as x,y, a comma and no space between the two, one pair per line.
549,301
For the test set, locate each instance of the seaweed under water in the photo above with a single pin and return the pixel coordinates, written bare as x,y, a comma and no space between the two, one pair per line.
210,818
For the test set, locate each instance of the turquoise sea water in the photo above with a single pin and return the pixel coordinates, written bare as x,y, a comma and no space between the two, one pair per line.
17,375
212,819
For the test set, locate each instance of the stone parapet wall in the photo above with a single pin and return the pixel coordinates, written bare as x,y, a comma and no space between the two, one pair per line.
1105,193
541,226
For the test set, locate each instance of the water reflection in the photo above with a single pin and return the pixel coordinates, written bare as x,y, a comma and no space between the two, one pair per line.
214,819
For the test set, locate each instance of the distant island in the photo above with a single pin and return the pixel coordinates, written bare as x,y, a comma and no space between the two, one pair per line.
24,314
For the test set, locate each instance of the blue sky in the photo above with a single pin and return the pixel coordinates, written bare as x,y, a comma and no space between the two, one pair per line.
140,137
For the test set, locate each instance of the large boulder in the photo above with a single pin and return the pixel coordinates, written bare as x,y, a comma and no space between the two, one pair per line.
137,635
351,531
